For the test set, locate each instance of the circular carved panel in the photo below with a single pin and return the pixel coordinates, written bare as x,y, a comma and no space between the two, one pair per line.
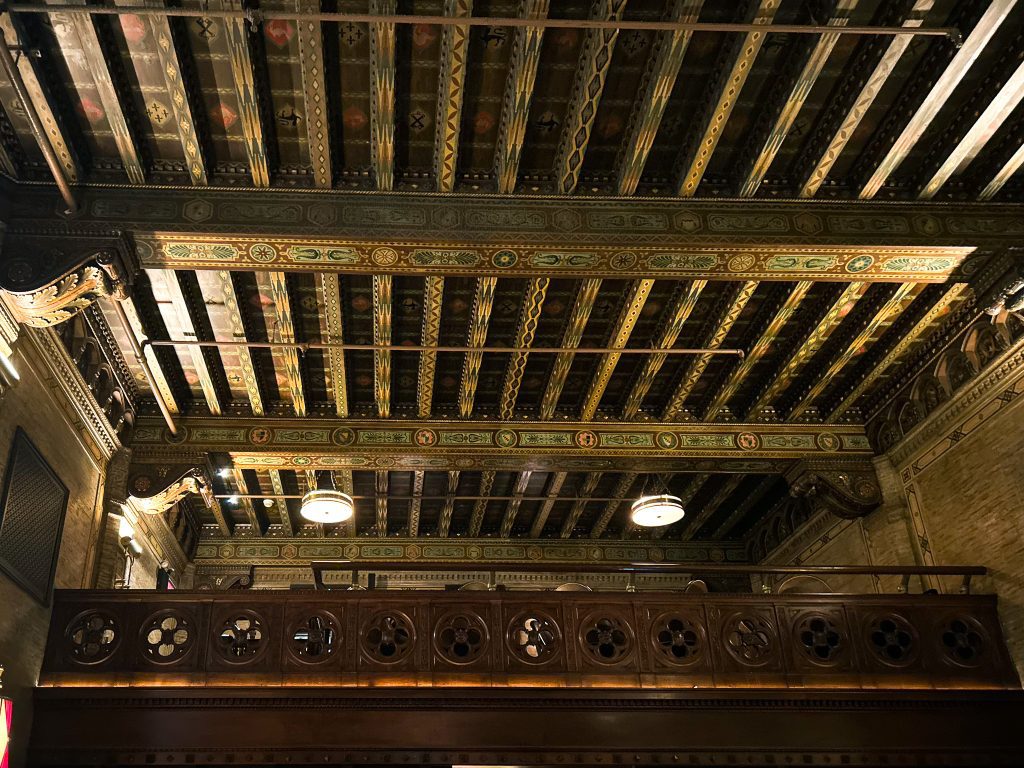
313,638
677,639
534,637
241,638
167,636
606,638
388,637
749,640
964,641
92,637
460,637
820,638
893,640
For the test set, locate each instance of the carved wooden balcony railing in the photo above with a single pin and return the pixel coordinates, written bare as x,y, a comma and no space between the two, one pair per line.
541,639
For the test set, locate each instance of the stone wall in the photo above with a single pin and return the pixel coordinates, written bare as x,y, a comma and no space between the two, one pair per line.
47,418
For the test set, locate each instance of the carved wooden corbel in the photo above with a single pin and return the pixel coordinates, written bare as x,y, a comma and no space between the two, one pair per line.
45,283
152,490
846,488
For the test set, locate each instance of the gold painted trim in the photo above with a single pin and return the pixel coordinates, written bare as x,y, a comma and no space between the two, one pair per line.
480,507
282,506
415,507
512,508
277,283
314,94
444,524
433,292
332,328
382,95
249,378
381,503
382,335
454,57
589,485
533,302
621,489
481,318
581,309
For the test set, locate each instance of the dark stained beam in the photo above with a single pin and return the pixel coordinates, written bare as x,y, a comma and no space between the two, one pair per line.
513,504
515,110
533,302
621,490
588,488
591,72
541,518
1003,174
693,163
382,96
454,55
255,525
743,508
711,507
666,58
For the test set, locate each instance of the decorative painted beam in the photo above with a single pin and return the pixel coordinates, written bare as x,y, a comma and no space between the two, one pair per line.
179,323
480,506
581,309
533,302
416,505
282,330
872,85
591,72
808,347
433,291
761,347
381,503
621,490
382,95
382,335
541,518
743,508
693,163
237,39
512,507
825,377
314,95
666,58
31,70
483,302
678,314
444,524
635,298
131,311
84,57
922,326
587,490
984,128
515,109
282,507
730,314
251,515
454,55
228,296
343,482
768,147
328,296
937,97
1005,172
711,507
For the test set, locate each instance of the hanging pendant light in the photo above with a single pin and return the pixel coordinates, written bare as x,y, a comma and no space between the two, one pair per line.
327,505
656,511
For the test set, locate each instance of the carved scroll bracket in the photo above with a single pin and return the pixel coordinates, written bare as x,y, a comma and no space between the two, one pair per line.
847,489
1007,293
46,281
152,490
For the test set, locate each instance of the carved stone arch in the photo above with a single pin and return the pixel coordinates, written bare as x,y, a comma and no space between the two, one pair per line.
87,356
955,369
115,407
103,384
909,415
884,432
127,426
928,393
983,343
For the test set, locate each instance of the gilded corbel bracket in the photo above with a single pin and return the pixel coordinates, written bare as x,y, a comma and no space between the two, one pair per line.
1007,293
152,490
46,281
847,489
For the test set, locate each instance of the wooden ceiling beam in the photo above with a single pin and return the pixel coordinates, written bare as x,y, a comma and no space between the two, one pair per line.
730,313
251,514
677,316
927,323
591,71
282,505
826,376
713,505
808,347
939,94
555,484
760,348
529,317
444,523
433,292
749,502
454,59
633,304
621,490
483,303
480,506
845,129
131,311
580,504
512,507
314,95
332,330
1008,168
416,505
666,58
343,482
779,128
693,162
381,481
582,306
515,110
229,297
382,335
237,40
382,96
76,36
282,329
